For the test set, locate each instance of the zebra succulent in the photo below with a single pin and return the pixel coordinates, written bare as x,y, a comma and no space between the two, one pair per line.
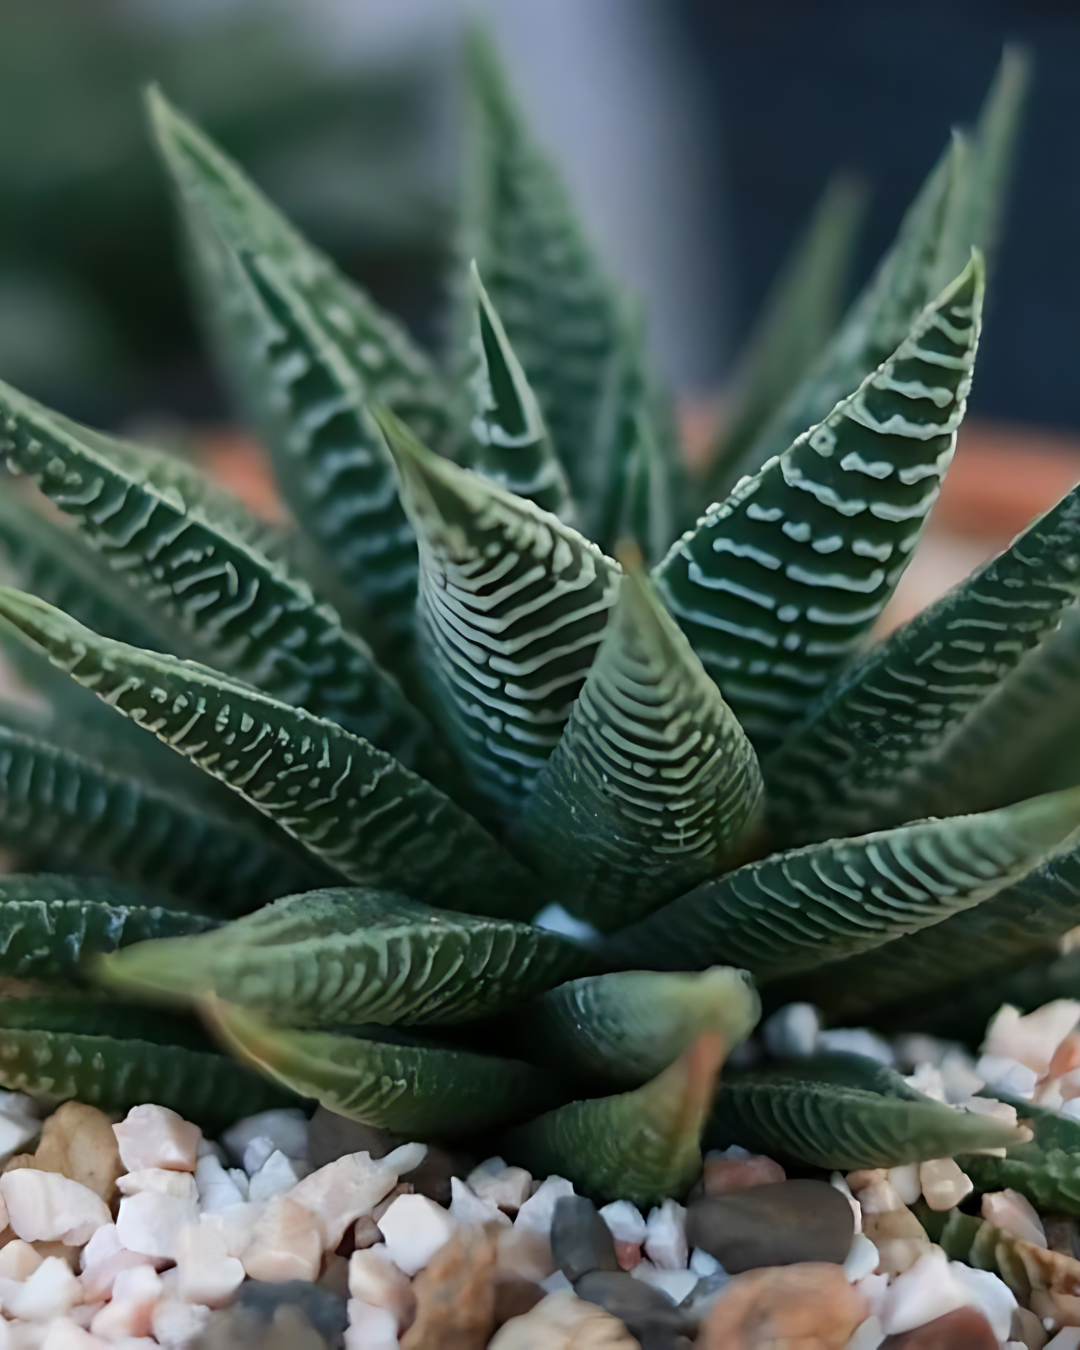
303,791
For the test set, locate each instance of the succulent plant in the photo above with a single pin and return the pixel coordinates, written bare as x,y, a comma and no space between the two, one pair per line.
303,792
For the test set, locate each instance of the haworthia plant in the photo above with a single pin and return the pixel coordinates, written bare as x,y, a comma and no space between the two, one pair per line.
777,586
522,719
1046,1168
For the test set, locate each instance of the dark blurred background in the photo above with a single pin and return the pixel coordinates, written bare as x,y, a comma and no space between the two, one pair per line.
697,136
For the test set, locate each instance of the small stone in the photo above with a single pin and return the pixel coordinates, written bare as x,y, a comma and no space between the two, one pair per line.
455,1296
322,1310
237,1225
286,1244
1006,1075
777,1225
49,1207
514,1298
50,1291
628,1255
837,1182
154,1136
104,1243
64,1333
131,1310
1014,1213
415,1228
644,1308
580,1240
150,1222
538,1211
402,1188
287,1129
881,1197
353,1185
676,1284
98,1279
704,1265
257,1152
375,1279
365,1233
78,1142
862,1259
370,1328
809,1305
989,1294
866,1176
792,1031
18,1260
175,1324
469,1210
929,1289
1032,1039
276,1176
905,1182
961,1329
206,1273
522,1253
724,1175
564,1322
331,1136
162,1182
899,1237
216,1187
856,1041
665,1242
505,1187
943,1184
626,1222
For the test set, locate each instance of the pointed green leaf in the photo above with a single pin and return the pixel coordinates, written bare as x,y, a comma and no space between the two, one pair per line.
73,1049
902,977
341,957
1046,1169
843,1111
419,1090
48,923
866,755
513,448
560,310
799,315
512,608
622,1029
351,805
796,910
642,1146
777,587
52,798
226,600
653,785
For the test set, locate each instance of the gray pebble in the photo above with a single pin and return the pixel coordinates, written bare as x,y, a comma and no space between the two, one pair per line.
775,1225
648,1313
580,1240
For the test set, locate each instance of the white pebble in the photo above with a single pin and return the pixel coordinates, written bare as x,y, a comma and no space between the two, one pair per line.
51,1291
105,1243
287,1127
881,1197
46,1206
957,1069
905,1182
1007,1075
856,1041
154,1136
217,1188
943,1184
704,1264
352,1185
206,1273
928,1080
370,1328
677,1284
928,1289
792,1031
556,919
469,1210
63,1333
989,1294
874,1288
176,1324
160,1180
276,1176
868,1335
237,1224
16,1132
1012,1211
1034,1038
286,1243
131,1311
538,1211
1068,1338
211,1148
838,1183
625,1222
18,1260
151,1222
256,1153
415,1228
376,1280
506,1187
665,1240
862,1259
99,1279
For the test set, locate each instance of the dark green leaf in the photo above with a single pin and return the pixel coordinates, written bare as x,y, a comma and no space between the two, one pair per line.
512,608
352,806
653,785
842,1111
422,1091
622,1029
642,1146
340,957
777,587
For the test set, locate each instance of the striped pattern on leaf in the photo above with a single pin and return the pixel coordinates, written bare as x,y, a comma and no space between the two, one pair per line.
414,1089
866,756
796,910
231,603
340,957
352,806
512,608
643,1146
777,586
53,798
51,923
624,1028
513,447
835,1112
653,785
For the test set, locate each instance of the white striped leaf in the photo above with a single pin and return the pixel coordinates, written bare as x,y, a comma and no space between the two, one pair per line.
653,785
512,606
796,910
867,754
352,806
777,586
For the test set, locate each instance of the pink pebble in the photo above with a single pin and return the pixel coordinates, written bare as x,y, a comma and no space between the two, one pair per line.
723,1175
628,1254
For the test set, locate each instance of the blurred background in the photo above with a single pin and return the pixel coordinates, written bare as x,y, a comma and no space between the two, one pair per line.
695,135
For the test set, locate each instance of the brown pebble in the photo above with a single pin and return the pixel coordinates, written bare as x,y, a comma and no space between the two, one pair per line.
564,1322
514,1298
810,1305
524,1254
402,1188
964,1329
365,1233
723,1175
1027,1329
628,1255
78,1141
335,1276
455,1296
